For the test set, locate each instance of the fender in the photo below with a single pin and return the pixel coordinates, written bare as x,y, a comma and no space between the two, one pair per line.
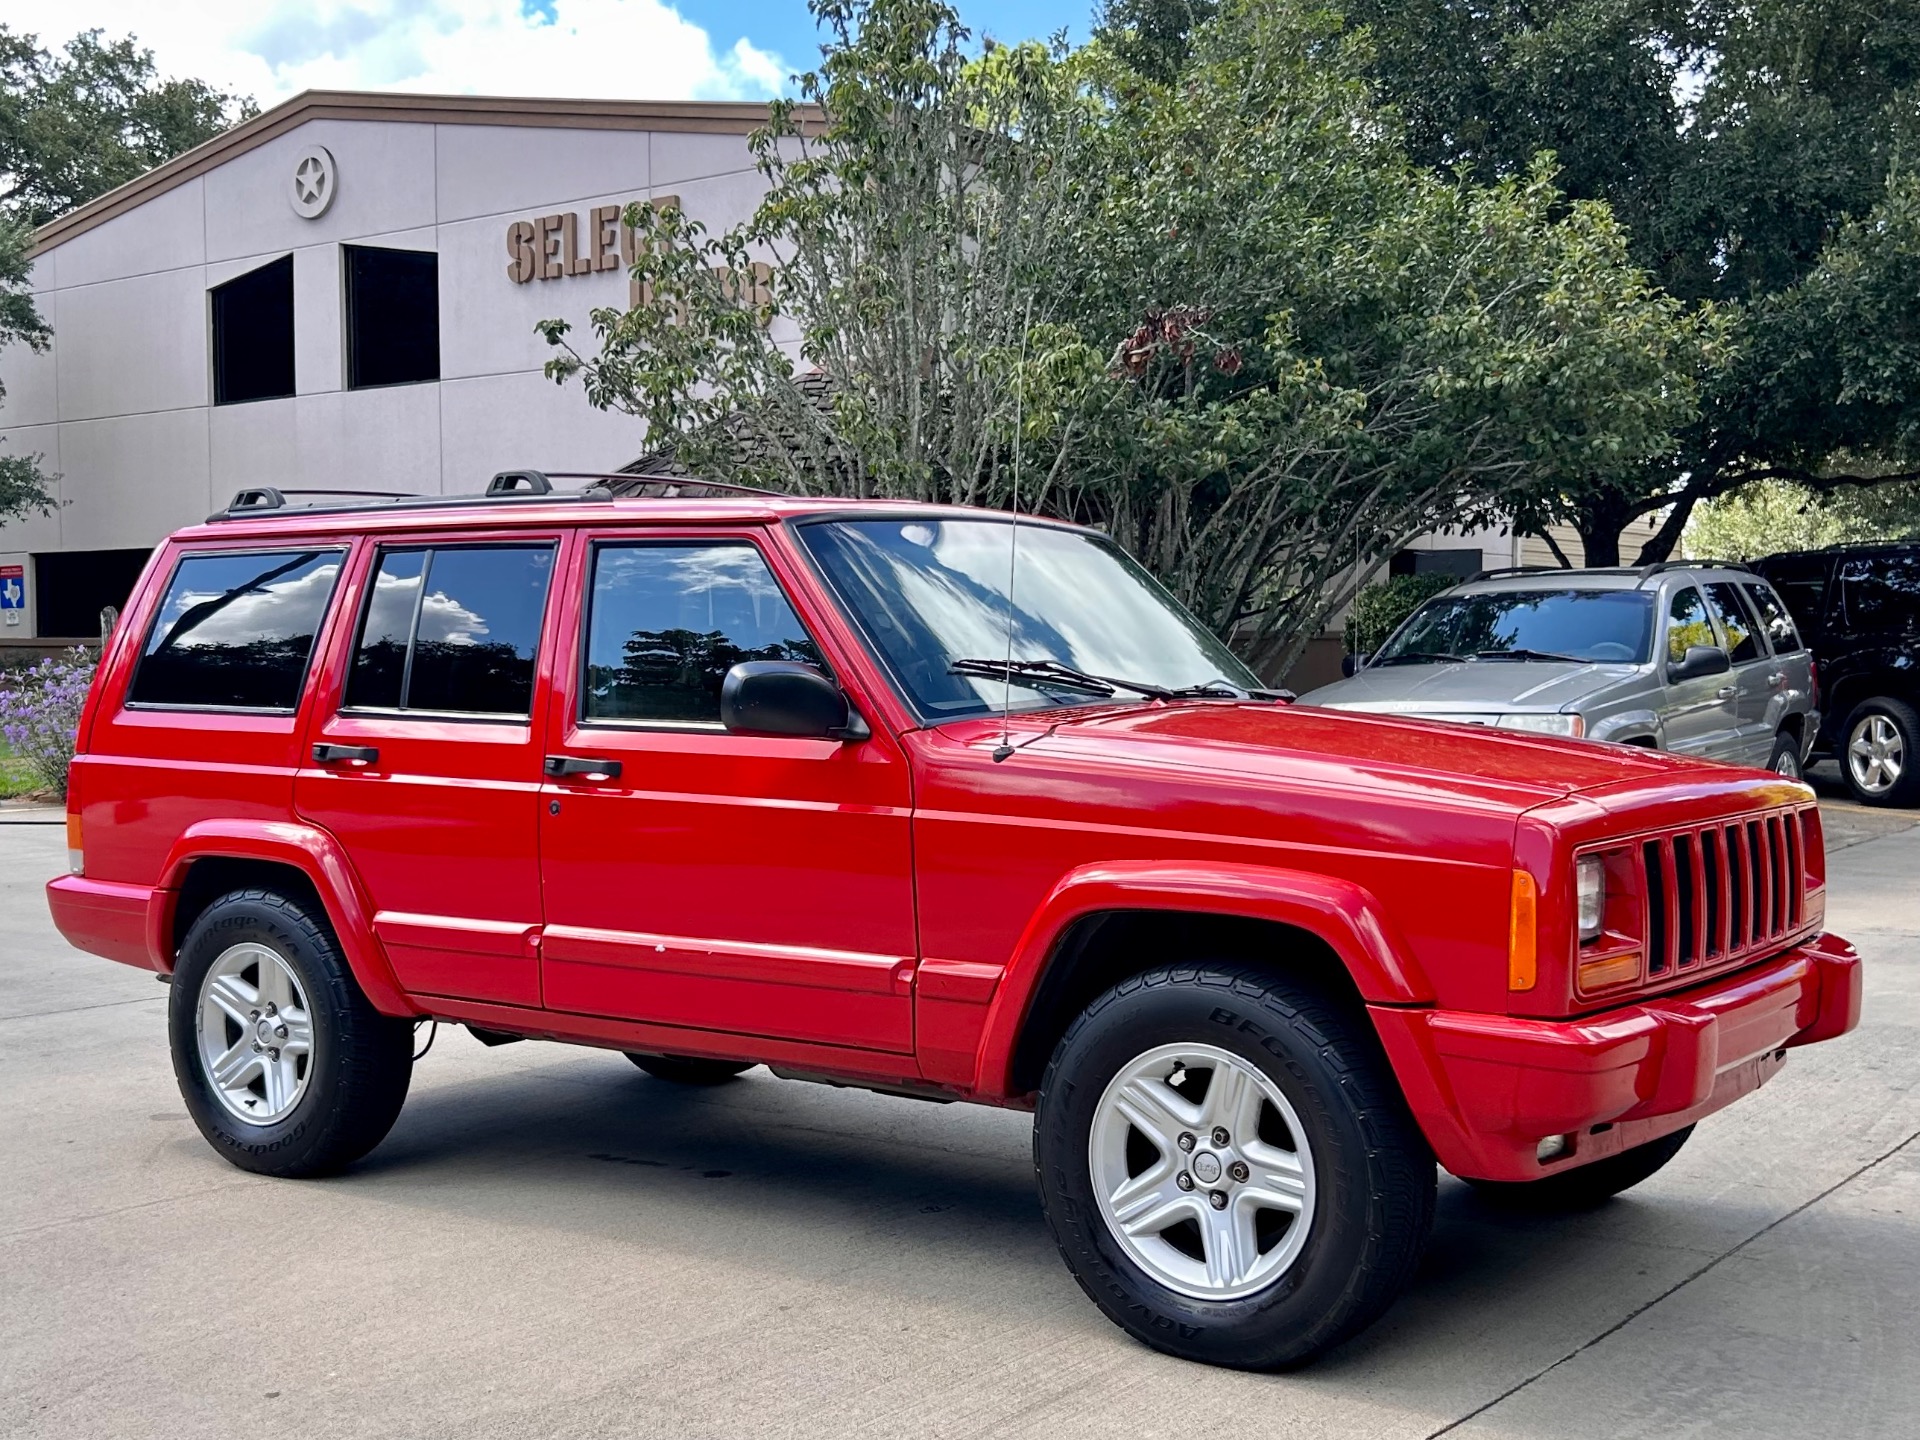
1348,918
314,853
1633,724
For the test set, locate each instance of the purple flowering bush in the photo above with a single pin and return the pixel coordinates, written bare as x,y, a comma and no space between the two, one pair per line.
40,713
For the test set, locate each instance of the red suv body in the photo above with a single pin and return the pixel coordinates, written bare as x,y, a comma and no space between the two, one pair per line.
472,748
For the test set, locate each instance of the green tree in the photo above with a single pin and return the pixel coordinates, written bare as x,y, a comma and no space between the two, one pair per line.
1760,154
23,488
76,124
1224,318
1774,515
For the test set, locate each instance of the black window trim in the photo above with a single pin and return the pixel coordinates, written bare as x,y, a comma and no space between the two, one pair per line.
306,670
597,543
381,549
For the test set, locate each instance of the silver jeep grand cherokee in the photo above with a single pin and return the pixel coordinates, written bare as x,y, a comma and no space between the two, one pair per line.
1699,658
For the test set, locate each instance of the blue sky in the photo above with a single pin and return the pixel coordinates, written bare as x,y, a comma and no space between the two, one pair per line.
640,49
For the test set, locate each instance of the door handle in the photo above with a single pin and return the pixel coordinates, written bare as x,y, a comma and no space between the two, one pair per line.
1726,692
358,756
576,767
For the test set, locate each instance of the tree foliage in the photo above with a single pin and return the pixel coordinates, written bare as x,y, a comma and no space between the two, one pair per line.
23,488
1770,516
1224,318
74,125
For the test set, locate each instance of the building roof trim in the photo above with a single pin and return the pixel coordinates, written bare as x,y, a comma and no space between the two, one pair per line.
702,117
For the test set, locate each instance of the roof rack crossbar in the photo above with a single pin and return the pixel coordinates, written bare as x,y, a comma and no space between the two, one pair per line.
508,487
1660,567
1500,570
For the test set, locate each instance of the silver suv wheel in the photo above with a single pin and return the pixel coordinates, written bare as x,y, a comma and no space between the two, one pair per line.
1876,754
255,1034
1211,1196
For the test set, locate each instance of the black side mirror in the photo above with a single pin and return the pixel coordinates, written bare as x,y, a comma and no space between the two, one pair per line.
785,697
1699,661
1350,665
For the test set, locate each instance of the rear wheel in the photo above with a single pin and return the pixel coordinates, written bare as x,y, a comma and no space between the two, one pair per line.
1589,1185
1881,758
285,1065
1785,759
1228,1166
689,1069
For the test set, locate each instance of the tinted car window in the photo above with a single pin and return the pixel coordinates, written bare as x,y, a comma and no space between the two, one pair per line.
666,622
1603,626
1801,581
452,630
1882,592
1736,622
235,631
1687,624
1774,619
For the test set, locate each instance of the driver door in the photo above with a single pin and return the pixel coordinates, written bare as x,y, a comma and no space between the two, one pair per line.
1698,714
695,877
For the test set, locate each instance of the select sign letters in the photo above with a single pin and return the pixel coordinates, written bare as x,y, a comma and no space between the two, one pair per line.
554,247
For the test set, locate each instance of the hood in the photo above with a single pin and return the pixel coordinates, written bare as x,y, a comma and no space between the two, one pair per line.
1470,687
1344,752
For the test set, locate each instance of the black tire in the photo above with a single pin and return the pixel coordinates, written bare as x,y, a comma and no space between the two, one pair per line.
1905,791
1586,1186
1373,1172
690,1069
1785,759
361,1060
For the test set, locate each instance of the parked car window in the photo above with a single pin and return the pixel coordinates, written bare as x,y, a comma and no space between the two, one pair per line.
1801,581
1687,624
1736,622
234,632
929,593
1591,626
452,630
666,622
1774,619
1882,592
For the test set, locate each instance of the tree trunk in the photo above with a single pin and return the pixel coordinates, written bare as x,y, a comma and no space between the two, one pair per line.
1599,522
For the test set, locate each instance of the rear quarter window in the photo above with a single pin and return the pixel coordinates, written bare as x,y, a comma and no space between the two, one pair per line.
235,631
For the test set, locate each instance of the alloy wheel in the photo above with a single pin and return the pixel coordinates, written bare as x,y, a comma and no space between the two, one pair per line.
1787,763
1202,1170
1876,754
255,1034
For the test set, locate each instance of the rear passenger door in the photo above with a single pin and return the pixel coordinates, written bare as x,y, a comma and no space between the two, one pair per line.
1752,675
424,757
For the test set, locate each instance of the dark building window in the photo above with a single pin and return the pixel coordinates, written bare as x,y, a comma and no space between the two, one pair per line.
253,335
235,631
1436,562
72,587
393,316
452,630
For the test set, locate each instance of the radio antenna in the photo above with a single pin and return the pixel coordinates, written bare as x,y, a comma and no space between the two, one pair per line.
1005,747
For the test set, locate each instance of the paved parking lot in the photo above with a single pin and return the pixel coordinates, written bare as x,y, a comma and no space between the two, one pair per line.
552,1244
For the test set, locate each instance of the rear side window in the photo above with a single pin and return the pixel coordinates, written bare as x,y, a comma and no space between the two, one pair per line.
1775,620
1687,624
666,622
452,630
235,632
1736,622
1882,591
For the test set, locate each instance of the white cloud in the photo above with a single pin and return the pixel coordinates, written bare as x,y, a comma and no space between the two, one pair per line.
603,49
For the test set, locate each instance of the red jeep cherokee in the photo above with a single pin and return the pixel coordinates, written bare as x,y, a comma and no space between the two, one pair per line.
936,802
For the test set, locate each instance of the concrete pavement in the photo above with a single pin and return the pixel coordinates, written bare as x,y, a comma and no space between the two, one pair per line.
552,1244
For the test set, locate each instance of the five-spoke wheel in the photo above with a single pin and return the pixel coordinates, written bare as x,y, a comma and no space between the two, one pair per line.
256,1033
1879,759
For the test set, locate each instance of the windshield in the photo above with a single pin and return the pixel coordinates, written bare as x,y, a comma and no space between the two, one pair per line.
1611,627
932,594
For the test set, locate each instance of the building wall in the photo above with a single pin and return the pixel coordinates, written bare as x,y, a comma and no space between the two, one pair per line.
120,405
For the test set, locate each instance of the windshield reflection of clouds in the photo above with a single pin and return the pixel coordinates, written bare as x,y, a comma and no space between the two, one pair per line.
935,592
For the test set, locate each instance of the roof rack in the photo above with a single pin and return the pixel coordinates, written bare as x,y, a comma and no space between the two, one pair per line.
1660,567
1497,571
508,487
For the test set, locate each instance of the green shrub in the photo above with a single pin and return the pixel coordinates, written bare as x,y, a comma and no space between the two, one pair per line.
1379,609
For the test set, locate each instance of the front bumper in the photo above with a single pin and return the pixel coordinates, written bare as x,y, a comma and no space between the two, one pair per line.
1487,1089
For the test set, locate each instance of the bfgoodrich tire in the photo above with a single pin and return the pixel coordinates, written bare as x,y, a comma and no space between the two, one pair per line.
1294,1191
1587,1186
284,1064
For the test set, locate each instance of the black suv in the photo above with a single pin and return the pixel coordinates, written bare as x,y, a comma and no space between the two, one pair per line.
1859,609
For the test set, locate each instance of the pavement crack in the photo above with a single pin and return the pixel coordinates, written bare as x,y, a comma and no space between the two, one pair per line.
1673,1289
76,1009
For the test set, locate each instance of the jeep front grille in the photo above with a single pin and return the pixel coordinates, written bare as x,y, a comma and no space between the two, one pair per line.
1721,893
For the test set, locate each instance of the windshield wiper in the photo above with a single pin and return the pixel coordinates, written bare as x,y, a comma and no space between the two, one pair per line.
1524,654
1420,657
1038,673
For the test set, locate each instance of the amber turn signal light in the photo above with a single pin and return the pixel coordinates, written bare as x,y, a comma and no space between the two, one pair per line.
1614,970
1523,935
76,855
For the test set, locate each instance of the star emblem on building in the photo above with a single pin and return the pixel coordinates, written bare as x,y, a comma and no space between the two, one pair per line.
310,180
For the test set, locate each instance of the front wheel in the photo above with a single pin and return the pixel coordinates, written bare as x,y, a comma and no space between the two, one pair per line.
1785,759
285,1065
1228,1166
